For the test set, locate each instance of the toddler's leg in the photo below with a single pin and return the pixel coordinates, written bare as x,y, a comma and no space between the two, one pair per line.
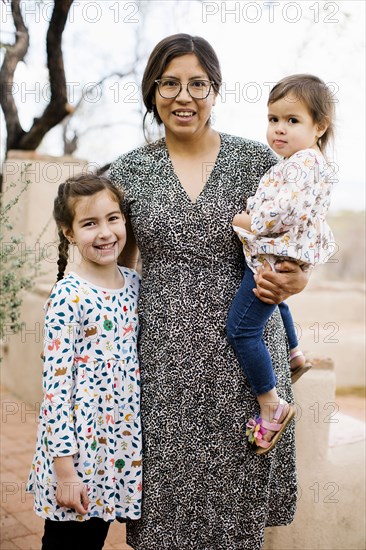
60,535
245,325
298,362
289,325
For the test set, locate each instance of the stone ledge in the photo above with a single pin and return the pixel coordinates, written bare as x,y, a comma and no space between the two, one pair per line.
14,154
320,363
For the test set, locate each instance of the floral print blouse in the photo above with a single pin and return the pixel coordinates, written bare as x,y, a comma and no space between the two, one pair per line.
288,213
91,404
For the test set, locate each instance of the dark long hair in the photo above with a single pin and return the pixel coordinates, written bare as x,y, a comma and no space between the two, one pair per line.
168,49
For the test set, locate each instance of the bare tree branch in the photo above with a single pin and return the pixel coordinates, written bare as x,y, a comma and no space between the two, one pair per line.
58,106
13,54
71,144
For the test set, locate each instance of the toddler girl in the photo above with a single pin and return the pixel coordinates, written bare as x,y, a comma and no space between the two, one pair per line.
284,220
87,467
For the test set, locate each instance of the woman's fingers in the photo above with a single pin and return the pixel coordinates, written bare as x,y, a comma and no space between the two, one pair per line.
267,290
274,287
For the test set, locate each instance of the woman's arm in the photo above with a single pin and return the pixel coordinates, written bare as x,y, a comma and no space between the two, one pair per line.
124,173
273,287
129,256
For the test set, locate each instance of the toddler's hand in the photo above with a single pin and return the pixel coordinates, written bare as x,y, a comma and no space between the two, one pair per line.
243,220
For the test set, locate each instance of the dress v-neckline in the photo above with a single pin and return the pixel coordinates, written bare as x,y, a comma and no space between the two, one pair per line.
179,183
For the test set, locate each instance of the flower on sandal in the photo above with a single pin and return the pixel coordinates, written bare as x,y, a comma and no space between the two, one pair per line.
255,430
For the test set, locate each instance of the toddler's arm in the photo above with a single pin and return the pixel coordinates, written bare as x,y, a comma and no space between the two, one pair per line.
243,220
295,198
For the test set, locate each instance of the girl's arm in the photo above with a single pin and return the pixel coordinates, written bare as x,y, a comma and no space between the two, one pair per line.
273,287
62,328
71,491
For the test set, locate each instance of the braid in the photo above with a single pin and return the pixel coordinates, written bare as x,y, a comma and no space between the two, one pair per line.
63,254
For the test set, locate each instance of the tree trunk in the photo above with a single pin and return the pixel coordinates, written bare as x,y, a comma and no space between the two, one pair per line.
58,107
13,55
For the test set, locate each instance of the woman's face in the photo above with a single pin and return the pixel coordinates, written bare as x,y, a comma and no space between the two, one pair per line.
183,116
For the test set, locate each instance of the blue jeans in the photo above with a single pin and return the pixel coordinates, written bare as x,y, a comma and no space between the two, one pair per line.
245,325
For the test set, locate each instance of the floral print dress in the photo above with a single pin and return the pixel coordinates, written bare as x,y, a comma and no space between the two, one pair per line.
288,213
91,404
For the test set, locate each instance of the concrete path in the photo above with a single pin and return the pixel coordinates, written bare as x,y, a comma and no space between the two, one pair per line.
19,525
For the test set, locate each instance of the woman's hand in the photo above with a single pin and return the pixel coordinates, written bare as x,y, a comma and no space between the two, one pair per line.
273,287
71,492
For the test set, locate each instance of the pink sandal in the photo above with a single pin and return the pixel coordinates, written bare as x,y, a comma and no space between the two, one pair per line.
257,427
297,372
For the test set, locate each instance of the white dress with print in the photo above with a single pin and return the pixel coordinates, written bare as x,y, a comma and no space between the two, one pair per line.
91,404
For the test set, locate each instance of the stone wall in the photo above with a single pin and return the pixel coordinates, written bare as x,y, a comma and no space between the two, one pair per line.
21,369
330,448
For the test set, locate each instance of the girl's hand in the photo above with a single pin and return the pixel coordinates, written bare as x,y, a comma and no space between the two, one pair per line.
274,287
71,491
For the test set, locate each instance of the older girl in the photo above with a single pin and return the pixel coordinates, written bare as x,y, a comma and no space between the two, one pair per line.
87,467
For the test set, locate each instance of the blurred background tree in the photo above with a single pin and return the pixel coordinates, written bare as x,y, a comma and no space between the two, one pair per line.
58,106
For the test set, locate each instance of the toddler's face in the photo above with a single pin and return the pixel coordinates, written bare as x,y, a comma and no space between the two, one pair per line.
291,127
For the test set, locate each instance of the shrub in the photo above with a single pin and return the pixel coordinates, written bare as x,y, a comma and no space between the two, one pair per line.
17,272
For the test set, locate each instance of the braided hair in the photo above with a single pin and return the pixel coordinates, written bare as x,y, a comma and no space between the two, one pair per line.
68,194
63,255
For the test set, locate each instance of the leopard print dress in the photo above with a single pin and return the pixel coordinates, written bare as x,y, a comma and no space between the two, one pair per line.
204,487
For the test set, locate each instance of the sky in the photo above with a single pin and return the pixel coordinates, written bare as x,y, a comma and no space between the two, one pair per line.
257,42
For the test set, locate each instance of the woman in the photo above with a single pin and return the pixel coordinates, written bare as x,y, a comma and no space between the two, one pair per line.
204,488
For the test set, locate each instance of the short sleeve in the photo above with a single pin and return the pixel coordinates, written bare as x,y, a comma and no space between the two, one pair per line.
259,164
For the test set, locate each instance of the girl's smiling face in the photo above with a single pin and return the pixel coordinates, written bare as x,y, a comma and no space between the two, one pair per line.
98,229
184,116
291,127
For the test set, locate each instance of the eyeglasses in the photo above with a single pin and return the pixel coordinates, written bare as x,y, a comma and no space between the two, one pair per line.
197,89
